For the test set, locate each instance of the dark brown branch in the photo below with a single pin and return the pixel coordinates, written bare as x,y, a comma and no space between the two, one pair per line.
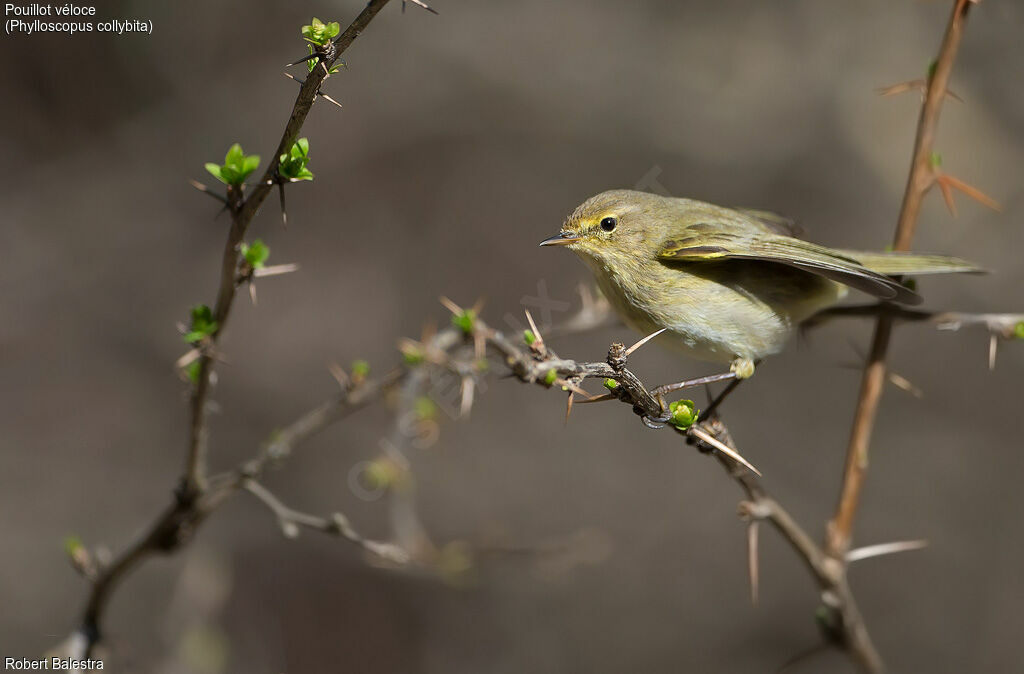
193,501
243,211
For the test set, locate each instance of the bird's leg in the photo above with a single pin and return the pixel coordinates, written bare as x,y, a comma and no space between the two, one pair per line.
742,368
706,414
661,391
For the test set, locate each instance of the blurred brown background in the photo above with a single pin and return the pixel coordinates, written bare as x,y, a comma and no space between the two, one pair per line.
464,140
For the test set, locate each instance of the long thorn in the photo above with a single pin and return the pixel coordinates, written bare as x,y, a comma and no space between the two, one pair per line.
449,305
722,447
880,549
644,341
752,559
533,326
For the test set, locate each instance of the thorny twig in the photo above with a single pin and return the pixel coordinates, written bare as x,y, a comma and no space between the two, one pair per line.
194,500
854,635
458,351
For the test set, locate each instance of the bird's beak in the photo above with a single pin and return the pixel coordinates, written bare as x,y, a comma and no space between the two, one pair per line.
561,239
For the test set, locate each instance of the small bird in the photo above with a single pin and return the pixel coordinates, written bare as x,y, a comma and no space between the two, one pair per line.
728,285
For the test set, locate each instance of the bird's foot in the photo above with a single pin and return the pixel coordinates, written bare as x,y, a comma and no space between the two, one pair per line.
742,368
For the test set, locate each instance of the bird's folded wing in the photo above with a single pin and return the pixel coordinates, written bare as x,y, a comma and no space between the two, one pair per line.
709,247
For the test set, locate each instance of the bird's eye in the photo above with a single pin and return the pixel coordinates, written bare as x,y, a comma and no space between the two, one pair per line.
608,224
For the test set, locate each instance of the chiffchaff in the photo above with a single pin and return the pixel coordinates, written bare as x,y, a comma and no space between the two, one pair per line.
728,285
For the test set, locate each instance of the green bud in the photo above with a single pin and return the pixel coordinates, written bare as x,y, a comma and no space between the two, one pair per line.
72,544
236,167
320,33
360,370
1018,330
202,325
550,376
684,414
412,353
425,408
255,253
936,160
465,320
380,474
529,337
610,384
292,166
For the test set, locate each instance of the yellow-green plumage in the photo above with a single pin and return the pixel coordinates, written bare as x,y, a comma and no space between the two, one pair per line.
727,283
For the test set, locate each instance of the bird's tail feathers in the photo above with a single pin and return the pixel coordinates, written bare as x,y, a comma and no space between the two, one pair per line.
897,264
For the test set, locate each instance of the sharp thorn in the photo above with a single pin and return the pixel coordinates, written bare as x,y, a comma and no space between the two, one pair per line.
643,341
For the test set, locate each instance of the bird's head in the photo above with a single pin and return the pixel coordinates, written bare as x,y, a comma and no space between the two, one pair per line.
613,227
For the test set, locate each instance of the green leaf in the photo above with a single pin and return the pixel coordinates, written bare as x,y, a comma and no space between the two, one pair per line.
320,33
229,174
311,63
214,170
236,167
255,254
684,414
293,165
203,324
234,155
249,164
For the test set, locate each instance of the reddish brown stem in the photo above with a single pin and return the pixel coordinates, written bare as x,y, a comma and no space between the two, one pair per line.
921,179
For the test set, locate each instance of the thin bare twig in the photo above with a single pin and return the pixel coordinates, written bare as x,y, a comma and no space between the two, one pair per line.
290,520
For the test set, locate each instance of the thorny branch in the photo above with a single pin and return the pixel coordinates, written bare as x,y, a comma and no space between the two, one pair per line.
194,500
921,179
461,351
243,209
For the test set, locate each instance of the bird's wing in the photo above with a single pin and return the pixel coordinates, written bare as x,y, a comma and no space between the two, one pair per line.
778,224
701,243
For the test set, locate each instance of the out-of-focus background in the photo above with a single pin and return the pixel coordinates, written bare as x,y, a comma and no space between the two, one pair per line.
465,138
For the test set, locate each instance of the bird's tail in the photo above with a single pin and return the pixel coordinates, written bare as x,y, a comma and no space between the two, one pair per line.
897,264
